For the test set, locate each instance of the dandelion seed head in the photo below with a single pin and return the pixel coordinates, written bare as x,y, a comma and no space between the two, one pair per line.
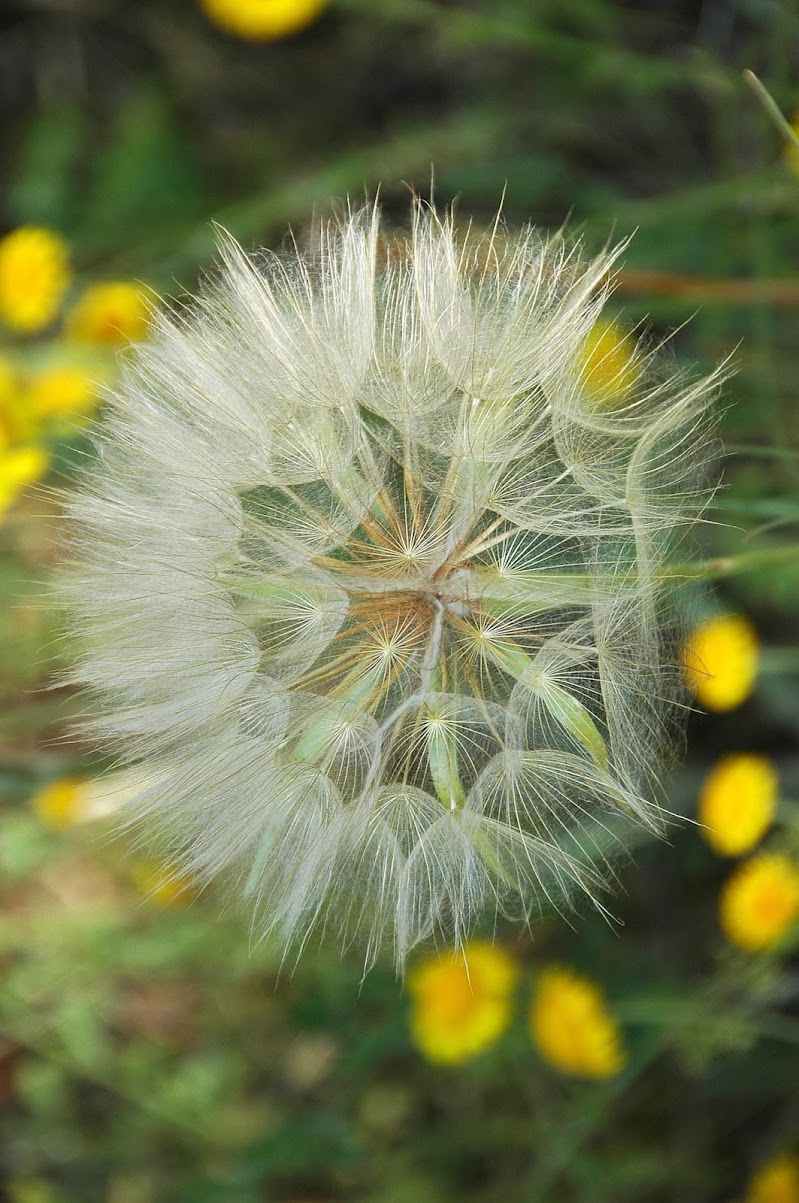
375,594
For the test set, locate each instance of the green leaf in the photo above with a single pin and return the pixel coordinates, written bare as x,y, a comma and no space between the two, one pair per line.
43,189
146,178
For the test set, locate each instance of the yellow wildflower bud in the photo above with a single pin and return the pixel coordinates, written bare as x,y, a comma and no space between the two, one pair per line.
20,466
118,312
572,1027
737,803
461,1002
760,902
262,20
34,275
720,660
61,804
607,364
162,884
777,1181
61,391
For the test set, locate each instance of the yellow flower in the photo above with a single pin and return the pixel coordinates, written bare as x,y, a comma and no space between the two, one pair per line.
720,660
775,1182
760,902
162,884
19,466
61,391
737,803
462,1002
61,804
118,312
607,364
34,275
10,393
262,20
572,1027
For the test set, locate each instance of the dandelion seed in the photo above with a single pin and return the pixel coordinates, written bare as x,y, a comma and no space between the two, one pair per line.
721,660
737,803
263,20
572,1028
377,603
462,1001
760,902
34,275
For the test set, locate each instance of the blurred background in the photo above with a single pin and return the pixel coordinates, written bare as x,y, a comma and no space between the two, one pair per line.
150,1048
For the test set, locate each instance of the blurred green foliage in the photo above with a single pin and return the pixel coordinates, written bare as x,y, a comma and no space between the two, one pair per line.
154,1055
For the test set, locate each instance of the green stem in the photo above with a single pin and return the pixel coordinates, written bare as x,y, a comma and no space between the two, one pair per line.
724,566
181,1127
565,1143
772,108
